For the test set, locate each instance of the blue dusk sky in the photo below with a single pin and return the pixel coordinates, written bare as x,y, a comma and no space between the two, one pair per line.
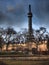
13,13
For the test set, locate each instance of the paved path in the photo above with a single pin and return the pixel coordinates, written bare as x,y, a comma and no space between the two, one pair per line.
27,58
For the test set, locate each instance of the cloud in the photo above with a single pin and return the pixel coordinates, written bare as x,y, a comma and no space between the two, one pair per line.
3,17
41,11
17,13
10,8
13,15
18,9
14,12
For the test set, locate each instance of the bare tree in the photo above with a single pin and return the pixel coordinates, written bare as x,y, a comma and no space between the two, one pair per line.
1,42
9,33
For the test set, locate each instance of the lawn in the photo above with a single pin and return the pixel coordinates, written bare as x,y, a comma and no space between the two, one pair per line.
14,62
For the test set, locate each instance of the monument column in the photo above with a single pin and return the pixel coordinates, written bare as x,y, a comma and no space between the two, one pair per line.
30,24
30,31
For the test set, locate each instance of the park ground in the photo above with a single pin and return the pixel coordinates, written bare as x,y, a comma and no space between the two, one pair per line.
15,62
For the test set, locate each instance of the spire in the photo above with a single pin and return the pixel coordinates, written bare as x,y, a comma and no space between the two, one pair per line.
30,13
29,8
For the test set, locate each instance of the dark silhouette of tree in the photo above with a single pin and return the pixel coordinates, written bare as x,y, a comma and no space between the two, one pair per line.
37,35
40,34
9,33
1,42
42,29
47,38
